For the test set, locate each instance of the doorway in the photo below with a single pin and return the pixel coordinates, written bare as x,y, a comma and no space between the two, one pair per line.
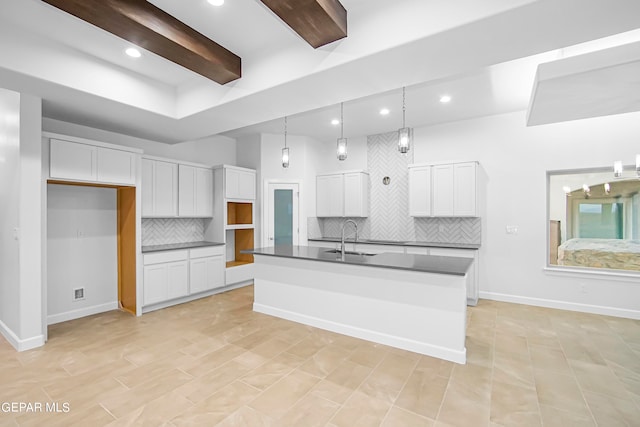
282,214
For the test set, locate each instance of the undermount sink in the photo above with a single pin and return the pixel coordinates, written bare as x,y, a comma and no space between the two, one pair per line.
338,251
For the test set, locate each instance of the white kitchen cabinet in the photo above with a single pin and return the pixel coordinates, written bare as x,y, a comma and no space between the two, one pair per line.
195,191
329,195
342,195
159,189
71,160
90,163
178,279
240,183
206,269
356,194
165,276
420,191
116,166
155,284
442,190
464,189
172,276
474,275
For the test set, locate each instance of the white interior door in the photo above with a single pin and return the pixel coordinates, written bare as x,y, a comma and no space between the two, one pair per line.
282,214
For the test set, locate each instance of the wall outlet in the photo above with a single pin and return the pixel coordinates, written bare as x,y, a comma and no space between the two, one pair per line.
78,294
441,228
511,229
583,288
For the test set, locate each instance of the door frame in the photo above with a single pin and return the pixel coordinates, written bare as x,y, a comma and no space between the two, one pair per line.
267,207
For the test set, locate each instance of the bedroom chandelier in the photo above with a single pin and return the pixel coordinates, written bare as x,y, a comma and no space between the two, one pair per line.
285,150
342,141
618,168
405,134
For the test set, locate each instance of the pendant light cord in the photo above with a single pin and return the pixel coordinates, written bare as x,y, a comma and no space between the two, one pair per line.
341,121
403,108
285,131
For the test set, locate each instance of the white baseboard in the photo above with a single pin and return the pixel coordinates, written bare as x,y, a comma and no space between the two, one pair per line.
81,312
20,344
562,305
341,328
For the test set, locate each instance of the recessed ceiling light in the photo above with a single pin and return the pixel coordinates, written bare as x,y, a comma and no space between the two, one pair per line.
445,98
216,2
335,122
384,111
133,52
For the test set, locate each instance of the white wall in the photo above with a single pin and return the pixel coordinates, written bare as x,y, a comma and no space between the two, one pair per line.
515,159
305,155
327,160
10,211
20,220
214,150
31,219
82,251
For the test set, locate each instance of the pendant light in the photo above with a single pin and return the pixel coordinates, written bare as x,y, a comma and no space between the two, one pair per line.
285,150
405,134
342,141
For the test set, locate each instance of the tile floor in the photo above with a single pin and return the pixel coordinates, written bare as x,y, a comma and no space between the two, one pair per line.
215,362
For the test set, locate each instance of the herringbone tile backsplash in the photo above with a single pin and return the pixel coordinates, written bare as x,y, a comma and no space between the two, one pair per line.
164,231
389,203
389,211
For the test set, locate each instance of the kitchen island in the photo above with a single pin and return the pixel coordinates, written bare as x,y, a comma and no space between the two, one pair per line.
413,302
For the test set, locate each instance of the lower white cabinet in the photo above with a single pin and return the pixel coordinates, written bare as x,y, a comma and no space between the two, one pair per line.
170,275
206,269
165,276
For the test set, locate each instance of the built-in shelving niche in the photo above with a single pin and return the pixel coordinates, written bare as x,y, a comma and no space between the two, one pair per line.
240,234
239,213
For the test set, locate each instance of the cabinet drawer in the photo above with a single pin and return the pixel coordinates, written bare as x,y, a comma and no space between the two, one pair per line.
207,251
165,256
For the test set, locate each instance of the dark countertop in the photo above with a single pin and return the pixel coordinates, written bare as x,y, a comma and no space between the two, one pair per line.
176,246
423,263
401,243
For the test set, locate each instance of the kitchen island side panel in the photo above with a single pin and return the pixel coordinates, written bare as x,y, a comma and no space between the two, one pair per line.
415,311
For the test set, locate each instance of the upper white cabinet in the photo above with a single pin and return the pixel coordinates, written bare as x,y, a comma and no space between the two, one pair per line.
356,194
240,183
442,190
195,191
465,191
116,166
171,189
446,190
420,191
329,195
342,195
91,163
159,189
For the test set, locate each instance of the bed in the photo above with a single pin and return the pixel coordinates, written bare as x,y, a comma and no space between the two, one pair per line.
600,253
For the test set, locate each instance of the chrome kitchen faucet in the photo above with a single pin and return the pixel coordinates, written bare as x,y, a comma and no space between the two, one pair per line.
342,251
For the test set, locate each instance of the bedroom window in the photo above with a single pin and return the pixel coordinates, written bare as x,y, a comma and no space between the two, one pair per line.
593,220
600,220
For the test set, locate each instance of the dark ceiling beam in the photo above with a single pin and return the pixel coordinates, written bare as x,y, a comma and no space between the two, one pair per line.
150,28
319,22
